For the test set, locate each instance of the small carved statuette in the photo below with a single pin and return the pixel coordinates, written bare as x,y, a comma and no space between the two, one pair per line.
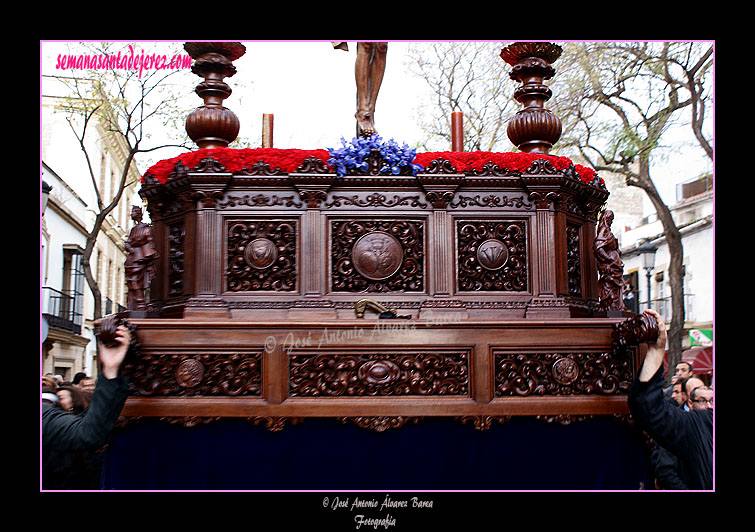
140,262
610,266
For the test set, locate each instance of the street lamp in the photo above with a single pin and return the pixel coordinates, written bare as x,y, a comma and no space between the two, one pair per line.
647,256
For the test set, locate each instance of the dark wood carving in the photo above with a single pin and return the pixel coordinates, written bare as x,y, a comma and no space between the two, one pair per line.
140,261
492,256
493,269
212,125
634,331
380,423
573,257
377,255
233,374
610,265
561,374
176,239
333,375
534,128
483,422
262,255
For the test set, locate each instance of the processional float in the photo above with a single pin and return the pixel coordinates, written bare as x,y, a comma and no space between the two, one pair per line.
476,287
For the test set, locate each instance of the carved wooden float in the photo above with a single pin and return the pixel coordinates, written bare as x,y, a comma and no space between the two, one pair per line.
287,293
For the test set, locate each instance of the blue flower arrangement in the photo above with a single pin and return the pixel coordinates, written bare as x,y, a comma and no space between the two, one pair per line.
354,155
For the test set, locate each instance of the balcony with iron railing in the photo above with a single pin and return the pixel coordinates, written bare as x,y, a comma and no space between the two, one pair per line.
62,309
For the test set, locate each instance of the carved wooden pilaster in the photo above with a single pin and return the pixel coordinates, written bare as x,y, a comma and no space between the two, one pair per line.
313,275
442,275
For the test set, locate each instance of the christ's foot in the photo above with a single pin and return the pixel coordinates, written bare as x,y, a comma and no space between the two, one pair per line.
365,125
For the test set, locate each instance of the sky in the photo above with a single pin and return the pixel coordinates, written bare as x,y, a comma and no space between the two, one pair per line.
310,90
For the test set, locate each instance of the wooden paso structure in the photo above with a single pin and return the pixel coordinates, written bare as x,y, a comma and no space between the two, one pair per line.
432,329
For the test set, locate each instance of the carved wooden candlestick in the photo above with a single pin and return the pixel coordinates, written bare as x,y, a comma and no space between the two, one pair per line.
534,129
212,125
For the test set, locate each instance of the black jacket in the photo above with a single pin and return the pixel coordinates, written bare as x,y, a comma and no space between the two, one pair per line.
688,435
64,434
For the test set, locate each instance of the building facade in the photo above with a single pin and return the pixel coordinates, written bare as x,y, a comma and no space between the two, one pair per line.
646,260
66,301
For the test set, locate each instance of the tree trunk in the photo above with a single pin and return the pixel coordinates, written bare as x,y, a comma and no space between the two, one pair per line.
675,268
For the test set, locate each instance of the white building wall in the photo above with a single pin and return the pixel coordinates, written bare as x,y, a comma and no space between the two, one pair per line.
72,208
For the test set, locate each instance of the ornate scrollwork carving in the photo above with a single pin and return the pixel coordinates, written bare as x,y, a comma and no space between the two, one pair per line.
334,375
313,165
483,422
398,266
573,262
560,374
440,166
205,374
261,255
275,423
508,272
377,200
380,423
176,237
491,201
259,200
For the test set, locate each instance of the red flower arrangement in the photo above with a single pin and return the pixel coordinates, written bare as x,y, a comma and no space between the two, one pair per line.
235,160
516,162
288,160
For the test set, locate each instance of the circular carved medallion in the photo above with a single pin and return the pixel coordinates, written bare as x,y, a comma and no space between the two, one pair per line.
377,255
492,254
189,373
565,371
260,253
378,372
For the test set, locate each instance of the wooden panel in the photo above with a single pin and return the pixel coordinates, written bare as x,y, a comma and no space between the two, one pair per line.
376,368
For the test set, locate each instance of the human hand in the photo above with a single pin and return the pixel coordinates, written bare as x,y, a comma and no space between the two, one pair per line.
112,357
656,350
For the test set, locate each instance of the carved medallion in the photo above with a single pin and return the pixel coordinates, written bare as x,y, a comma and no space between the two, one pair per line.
565,371
378,372
377,255
492,254
189,373
260,253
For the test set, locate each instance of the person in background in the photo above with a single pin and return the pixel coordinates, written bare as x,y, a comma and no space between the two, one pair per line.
687,435
87,384
683,370
690,385
702,398
71,399
677,393
65,434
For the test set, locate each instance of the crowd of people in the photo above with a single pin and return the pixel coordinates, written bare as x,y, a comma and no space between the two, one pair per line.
678,418
78,419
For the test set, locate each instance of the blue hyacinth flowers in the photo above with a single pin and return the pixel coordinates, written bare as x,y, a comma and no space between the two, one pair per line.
353,156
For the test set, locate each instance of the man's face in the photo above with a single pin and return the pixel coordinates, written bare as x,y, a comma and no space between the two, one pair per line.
87,385
677,394
682,371
703,399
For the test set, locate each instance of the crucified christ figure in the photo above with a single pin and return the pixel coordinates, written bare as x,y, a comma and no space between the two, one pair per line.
368,71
